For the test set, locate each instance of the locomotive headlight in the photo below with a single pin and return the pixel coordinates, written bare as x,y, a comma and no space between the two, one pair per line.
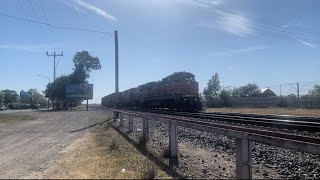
195,99
185,99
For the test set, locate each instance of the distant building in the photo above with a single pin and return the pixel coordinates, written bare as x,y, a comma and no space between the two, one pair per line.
266,92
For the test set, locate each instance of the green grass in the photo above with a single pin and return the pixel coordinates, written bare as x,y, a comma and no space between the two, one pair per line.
13,117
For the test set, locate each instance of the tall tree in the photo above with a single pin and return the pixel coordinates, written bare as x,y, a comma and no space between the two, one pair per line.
37,98
213,88
84,63
225,97
315,91
249,90
10,96
1,97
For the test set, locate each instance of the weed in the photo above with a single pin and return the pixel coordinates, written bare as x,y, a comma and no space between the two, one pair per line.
113,145
148,171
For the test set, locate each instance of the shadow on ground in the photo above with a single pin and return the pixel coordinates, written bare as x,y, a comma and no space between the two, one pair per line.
169,169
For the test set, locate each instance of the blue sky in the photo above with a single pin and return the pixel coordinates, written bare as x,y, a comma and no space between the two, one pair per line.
267,42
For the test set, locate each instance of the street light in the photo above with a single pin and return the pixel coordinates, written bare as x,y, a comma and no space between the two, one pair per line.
49,83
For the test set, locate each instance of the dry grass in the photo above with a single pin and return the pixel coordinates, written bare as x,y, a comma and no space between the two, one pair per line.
278,111
13,117
102,154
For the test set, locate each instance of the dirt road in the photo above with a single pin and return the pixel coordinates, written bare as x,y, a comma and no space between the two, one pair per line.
28,148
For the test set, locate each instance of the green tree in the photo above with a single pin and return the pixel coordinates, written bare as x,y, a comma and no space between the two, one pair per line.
10,96
249,90
315,91
225,97
213,88
37,98
84,63
2,98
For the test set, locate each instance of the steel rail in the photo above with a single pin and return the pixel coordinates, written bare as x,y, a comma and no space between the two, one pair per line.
243,119
228,127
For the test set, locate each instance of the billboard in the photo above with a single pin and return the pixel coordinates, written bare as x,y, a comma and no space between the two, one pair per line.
25,95
79,91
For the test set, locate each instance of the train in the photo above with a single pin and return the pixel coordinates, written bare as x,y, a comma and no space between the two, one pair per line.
178,91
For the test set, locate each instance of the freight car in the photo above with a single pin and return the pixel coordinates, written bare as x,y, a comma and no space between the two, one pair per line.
178,91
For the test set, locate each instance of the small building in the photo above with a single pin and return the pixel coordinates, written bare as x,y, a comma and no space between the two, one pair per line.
266,92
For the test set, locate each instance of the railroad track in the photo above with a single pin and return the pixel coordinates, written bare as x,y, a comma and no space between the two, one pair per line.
310,124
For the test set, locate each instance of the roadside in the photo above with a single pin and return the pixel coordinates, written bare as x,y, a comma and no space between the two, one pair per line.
277,111
103,153
68,144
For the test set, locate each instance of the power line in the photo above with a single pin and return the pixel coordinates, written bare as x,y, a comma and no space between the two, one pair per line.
55,26
229,23
46,19
41,29
35,35
253,18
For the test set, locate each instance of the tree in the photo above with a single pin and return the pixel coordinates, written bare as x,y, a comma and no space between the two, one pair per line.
37,98
225,97
10,96
84,63
2,98
212,90
249,90
315,91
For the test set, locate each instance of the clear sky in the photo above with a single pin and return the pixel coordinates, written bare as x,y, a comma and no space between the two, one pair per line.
268,42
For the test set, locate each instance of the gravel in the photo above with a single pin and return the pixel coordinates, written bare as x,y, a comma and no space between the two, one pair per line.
209,155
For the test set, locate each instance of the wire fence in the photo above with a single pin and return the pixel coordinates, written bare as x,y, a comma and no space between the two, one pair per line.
306,101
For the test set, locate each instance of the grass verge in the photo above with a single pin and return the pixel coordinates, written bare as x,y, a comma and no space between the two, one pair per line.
13,117
105,154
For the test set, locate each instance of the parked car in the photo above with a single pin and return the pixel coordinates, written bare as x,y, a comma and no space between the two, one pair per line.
3,108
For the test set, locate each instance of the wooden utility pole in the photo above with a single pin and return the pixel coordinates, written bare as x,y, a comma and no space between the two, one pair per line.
298,91
54,62
54,69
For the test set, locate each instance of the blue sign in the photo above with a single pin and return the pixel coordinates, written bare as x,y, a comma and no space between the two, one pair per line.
25,95
79,91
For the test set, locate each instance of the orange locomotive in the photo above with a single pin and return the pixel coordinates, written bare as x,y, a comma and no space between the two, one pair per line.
178,91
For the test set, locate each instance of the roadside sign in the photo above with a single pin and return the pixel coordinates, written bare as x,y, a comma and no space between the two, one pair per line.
25,95
79,91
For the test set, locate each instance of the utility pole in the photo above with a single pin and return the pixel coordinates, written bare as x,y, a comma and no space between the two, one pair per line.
116,61
54,62
116,115
298,91
54,68
280,90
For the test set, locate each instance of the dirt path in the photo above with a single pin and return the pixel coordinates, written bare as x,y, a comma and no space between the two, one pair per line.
29,147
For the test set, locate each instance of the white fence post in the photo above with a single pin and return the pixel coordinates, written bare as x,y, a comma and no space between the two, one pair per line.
130,123
121,119
243,159
145,128
173,140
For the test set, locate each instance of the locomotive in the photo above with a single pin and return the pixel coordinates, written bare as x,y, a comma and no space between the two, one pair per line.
178,91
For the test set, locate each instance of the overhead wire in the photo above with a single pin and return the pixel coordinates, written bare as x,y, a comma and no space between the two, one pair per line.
50,29
38,19
55,26
213,18
34,34
264,21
